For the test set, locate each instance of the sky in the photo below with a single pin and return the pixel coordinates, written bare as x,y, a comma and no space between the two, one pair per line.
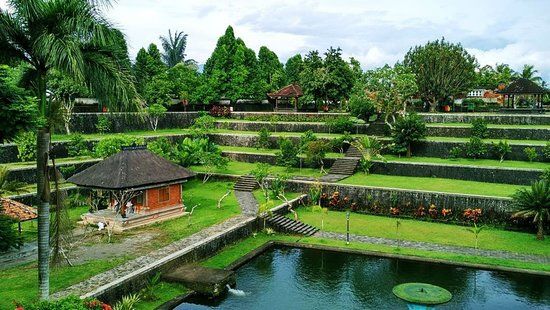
374,32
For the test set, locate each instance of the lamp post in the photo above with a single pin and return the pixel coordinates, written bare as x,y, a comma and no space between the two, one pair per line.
347,227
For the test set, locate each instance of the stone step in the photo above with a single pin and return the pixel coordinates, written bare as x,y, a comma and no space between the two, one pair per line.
291,226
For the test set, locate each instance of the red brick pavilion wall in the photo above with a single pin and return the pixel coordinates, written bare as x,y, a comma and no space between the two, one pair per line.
153,197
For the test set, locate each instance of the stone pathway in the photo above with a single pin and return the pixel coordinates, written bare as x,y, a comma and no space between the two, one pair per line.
247,201
438,247
98,282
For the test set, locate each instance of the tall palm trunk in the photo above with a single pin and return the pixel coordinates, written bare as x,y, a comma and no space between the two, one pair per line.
43,195
540,229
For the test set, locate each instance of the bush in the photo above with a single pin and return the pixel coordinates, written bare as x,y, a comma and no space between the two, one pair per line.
9,236
103,124
162,147
361,106
455,152
340,125
531,153
26,146
546,152
220,111
477,102
112,145
501,149
195,151
307,137
78,146
340,142
406,131
475,148
278,185
479,128
545,175
264,141
153,113
316,152
68,303
288,153
203,125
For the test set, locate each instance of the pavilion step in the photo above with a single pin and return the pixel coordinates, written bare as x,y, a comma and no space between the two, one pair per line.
287,225
246,183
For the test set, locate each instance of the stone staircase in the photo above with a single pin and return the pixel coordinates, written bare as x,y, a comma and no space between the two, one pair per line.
344,166
246,183
286,225
353,152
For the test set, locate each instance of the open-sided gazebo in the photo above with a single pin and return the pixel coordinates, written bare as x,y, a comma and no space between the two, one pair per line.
287,96
144,188
523,88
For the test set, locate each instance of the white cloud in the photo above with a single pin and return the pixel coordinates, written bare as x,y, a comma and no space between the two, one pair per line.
375,32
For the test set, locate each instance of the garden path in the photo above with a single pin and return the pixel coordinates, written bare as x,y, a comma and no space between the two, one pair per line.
247,201
426,246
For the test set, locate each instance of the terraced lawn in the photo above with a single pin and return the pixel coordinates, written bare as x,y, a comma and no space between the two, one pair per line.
470,162
433,184
242,168
466,125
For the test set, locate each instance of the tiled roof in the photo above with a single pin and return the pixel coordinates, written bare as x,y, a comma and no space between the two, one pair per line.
17,210
292,90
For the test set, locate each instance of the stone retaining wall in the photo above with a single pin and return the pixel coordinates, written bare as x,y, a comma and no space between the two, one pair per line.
385,196
490,118
492,133
286,127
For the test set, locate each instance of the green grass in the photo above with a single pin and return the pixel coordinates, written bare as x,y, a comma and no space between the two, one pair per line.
242,168
433,184
253,150
470,162
21,283
164,292
259,195
463,140
67,160
233,252
29,228
448,234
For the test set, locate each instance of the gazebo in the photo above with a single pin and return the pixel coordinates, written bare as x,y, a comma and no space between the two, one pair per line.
523,88
17,211
143,188
286,96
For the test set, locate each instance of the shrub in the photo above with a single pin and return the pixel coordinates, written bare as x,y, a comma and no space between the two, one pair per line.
196,151
278,185
406,131
370,149
26,146
78,146
531,153
9,237
545,175
546,152
361,106
475,148
162,147
316,152
220,111
112,145
103,124
288,153
264,140
533,203
307,137
501,149
340,125
153,113
68,303
340,142
455,152
202,125
479,128
67,171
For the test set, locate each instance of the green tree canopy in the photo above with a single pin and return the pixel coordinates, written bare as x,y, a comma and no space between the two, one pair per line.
148,64
442,69
270,70
293,67
529,72
174,48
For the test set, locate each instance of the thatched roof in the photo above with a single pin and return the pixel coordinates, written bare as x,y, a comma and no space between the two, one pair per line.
289,91
17,210
523,86
132,168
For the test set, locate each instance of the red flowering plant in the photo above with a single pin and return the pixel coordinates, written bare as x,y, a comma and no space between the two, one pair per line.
394,211
220,111
420,211
334,201
472,215
354,207
446,212
432,211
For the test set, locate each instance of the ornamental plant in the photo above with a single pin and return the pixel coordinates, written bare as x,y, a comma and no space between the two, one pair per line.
112,145
26,145
479,128
340,124
103,124
501,149
406,131
475,148
154,112
546,152
288,153
530,153
78,146
534,203
316,152
264,139
307,137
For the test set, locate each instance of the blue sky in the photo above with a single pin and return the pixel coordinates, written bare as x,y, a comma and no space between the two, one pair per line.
375,32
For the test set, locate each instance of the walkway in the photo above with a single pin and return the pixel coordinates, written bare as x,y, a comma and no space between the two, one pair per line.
247,201
438,247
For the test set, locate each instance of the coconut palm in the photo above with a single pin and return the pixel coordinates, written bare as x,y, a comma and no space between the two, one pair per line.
534,203
174,49
73,37
529,72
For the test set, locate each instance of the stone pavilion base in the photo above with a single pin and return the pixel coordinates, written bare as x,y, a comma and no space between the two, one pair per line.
120,224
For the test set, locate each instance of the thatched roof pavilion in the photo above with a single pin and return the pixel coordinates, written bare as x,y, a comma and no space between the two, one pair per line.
523,87
289,93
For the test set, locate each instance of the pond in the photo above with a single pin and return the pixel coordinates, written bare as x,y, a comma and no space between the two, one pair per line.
296,278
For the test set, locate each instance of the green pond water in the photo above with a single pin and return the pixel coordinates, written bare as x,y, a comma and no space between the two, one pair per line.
293,278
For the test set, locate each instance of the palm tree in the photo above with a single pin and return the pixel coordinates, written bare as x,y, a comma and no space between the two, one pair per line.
73,37
504,74
174,49
528,72
534,203
6,186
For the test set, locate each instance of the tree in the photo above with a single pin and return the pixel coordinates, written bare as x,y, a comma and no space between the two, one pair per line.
270,70
148,65
18,110
293,67
316,152
63,90
185,81
534,203
529,72
174,48
339,76
154,112
74,37
408,130
361,105
390,89
312,78
442,70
